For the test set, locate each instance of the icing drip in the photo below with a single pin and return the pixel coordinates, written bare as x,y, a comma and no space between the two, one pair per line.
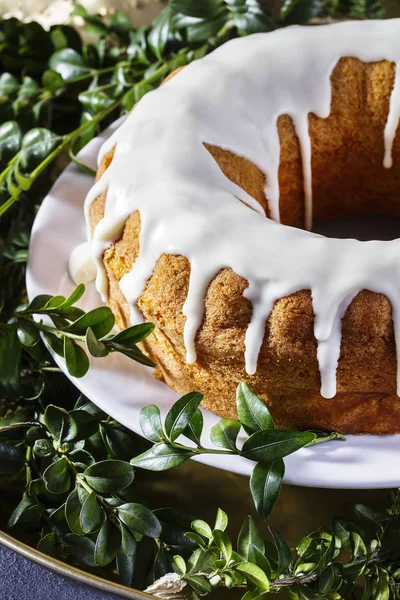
392,120
328,351
301,127
262,298
81,264
188,207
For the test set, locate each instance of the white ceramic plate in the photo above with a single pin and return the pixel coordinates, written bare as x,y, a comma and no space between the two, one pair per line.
121,387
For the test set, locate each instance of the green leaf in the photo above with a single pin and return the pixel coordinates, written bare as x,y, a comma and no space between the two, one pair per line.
224,434
129,543
367,591
81,458
175,523
250,540
120,442
101,320
81,548
10,141
326,580
265,484
259,559
43,448
180,563
60,424
264,446
76,358
107,544
37,144
373,517
252,412
133,353
91,515
204,29
39,302
139,518
25,503
11,459
126,568
73,297
119,22
95,26
381,587
283,550
10,355
19,417
196,539
253,574
72,513
202,560
194,428
159,32
52,81
68,63
28,333
307,548
358,546
133,335
29,89
136,93
221,521
199,583
342,529
299,11
150,423
65,36
47,545
95,347
109,476
95,100
202,528
223,543
55,344
79,11
257,594
57,478
181,413
254,19
75,147
161,457
206,9
87,422
9,84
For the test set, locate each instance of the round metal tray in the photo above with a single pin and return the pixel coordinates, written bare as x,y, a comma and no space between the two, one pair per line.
192,486
200,489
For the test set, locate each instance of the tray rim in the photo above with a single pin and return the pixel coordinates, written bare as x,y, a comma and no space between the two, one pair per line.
71,572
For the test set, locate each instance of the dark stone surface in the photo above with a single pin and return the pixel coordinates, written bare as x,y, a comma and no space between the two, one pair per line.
21,579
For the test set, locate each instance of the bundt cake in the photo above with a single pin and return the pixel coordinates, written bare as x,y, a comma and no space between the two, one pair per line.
201,218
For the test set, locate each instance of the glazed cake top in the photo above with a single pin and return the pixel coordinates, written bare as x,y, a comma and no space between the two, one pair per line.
188,207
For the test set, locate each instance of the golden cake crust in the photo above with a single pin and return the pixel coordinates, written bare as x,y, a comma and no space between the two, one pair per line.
348,177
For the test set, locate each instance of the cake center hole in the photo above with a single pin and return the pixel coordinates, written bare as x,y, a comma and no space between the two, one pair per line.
361,227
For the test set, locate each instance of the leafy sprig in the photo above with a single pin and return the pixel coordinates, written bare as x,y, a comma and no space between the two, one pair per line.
324,565
79,470
70,325
264,445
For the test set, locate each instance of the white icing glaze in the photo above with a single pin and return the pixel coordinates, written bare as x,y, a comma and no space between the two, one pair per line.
81,266
232,99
